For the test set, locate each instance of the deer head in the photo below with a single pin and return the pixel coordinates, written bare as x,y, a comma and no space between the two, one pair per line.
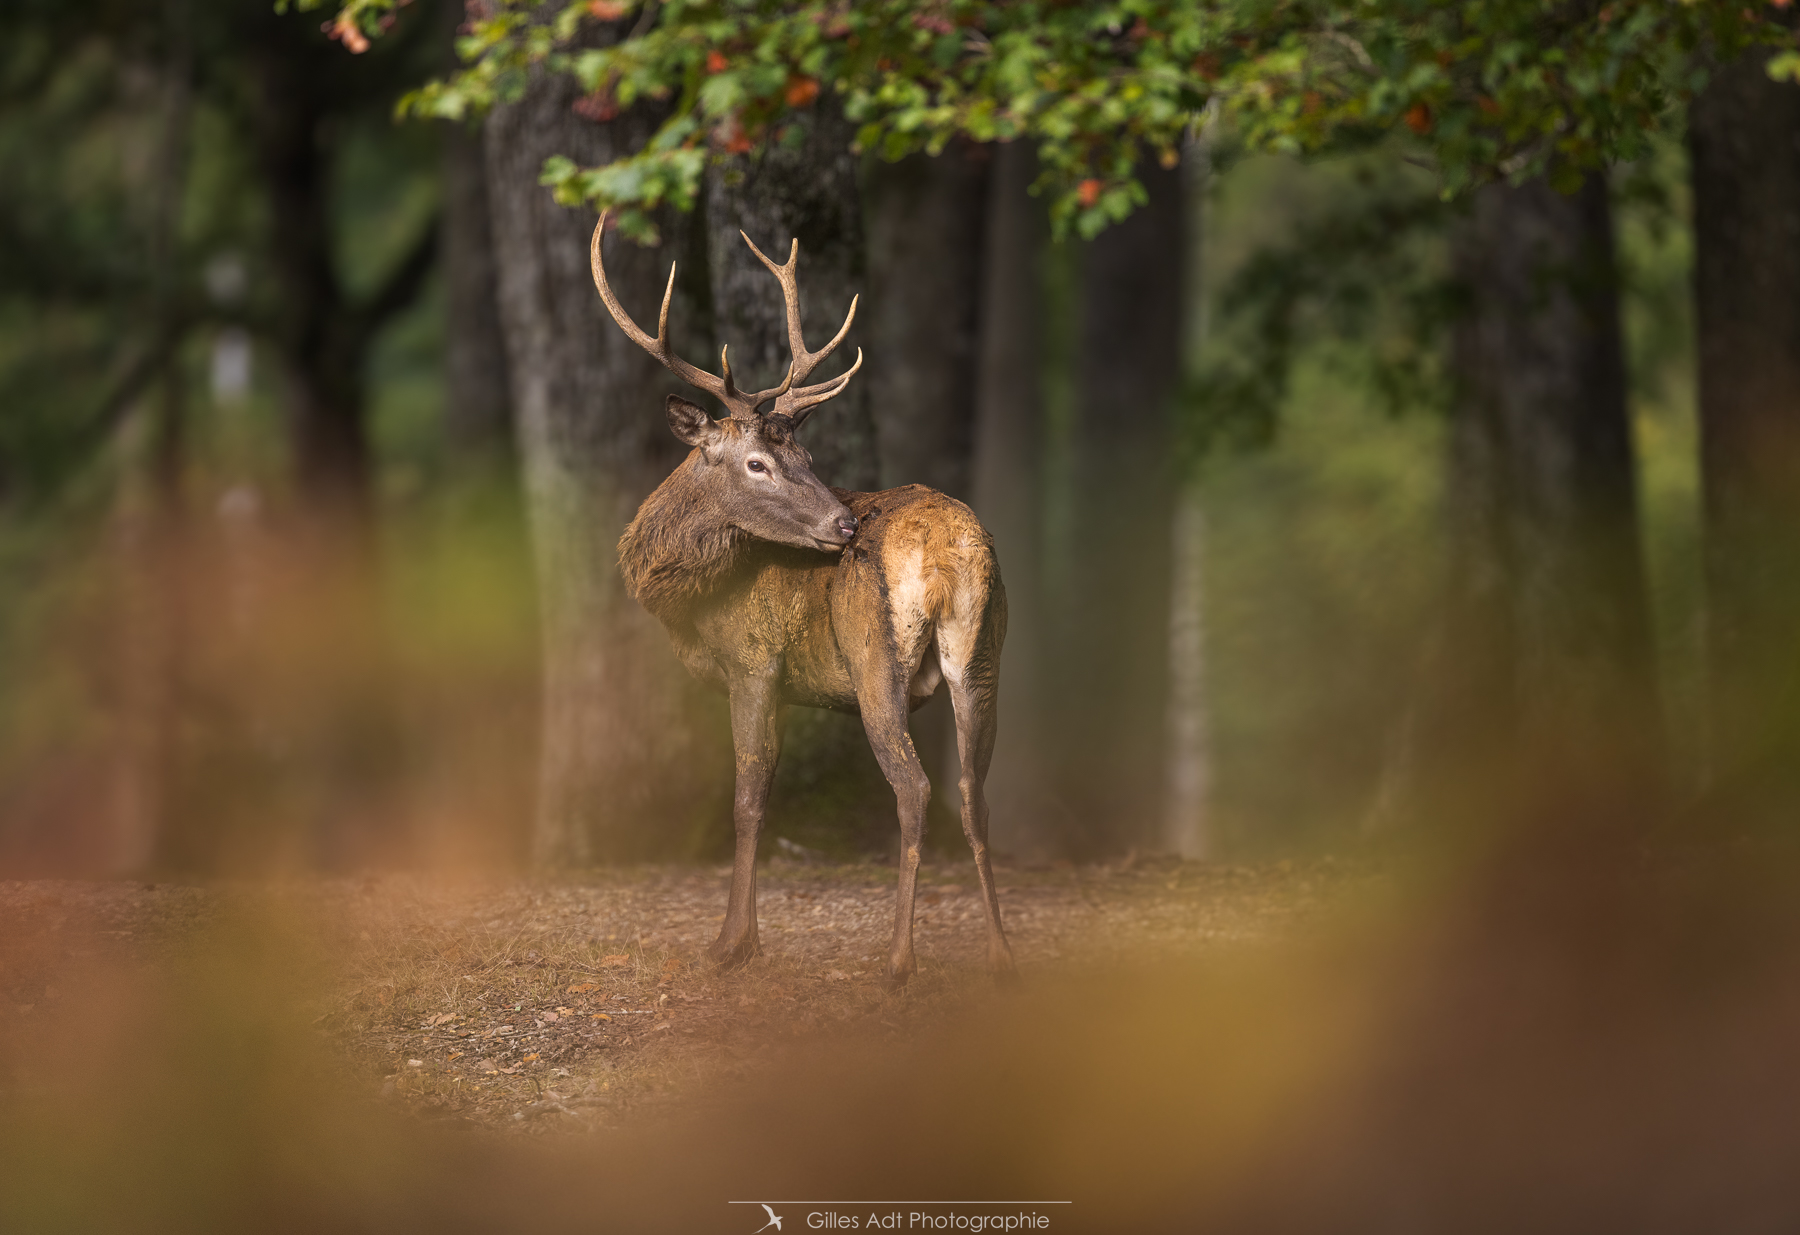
747,465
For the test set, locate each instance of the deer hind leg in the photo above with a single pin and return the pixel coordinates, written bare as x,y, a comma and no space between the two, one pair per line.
973,674
884,719
756,737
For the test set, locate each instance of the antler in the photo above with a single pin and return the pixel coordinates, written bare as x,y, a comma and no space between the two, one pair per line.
798,401
742,406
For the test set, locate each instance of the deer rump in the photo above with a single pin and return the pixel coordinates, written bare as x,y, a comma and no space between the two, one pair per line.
916,596
777,591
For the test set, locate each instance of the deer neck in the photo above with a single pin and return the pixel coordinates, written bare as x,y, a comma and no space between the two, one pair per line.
679,549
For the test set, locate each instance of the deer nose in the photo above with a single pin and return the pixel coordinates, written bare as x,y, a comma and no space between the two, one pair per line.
847,525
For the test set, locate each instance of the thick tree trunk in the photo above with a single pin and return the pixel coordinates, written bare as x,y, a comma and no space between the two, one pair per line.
1113,700
477,421
1547,655
1744,132
1008,494
927,217
808,191
631,759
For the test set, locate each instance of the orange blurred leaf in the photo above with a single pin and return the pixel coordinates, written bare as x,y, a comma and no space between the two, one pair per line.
801,90
582,988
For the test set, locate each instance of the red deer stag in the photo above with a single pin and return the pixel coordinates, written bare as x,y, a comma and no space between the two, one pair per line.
778,591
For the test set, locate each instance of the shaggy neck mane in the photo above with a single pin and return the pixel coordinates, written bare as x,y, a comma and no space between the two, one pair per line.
677,550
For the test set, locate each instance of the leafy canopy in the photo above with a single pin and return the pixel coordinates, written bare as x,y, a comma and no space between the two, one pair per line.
1479,89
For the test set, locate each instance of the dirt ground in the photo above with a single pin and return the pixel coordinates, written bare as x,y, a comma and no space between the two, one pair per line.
539,1004
1545,1042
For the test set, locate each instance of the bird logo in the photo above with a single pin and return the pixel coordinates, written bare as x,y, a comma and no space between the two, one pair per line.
774,1220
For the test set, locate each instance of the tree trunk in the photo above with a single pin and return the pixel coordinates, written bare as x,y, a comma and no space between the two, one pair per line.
1009,496
631,760
1548,655
477,422
321,360
1113,698
1186,829
926,222
1744,132
808,191
153,531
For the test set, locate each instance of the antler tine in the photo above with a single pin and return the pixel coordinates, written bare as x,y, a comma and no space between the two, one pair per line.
799,401
739,404
798,404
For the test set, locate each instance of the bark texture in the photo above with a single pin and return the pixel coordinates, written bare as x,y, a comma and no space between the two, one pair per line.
1008,492
927,219
808,191
1744,132
633,763
1113,657
477,420
1548,645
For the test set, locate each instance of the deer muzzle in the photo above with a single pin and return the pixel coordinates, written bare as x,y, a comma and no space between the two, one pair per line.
837,530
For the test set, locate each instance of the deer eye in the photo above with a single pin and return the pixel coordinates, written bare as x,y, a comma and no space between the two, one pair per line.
756,465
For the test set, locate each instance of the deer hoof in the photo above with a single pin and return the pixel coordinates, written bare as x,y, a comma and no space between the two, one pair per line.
1000,964
727,955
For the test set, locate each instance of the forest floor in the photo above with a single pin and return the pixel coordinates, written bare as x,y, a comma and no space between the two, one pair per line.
538,1004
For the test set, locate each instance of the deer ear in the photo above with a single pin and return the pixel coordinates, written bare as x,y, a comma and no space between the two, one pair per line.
690,422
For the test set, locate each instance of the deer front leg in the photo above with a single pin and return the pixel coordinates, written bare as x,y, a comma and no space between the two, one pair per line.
884,719
756,737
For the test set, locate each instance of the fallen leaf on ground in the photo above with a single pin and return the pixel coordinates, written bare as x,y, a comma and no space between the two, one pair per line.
837,975
615,960
599,1016
529,1057
443,1019
582,988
